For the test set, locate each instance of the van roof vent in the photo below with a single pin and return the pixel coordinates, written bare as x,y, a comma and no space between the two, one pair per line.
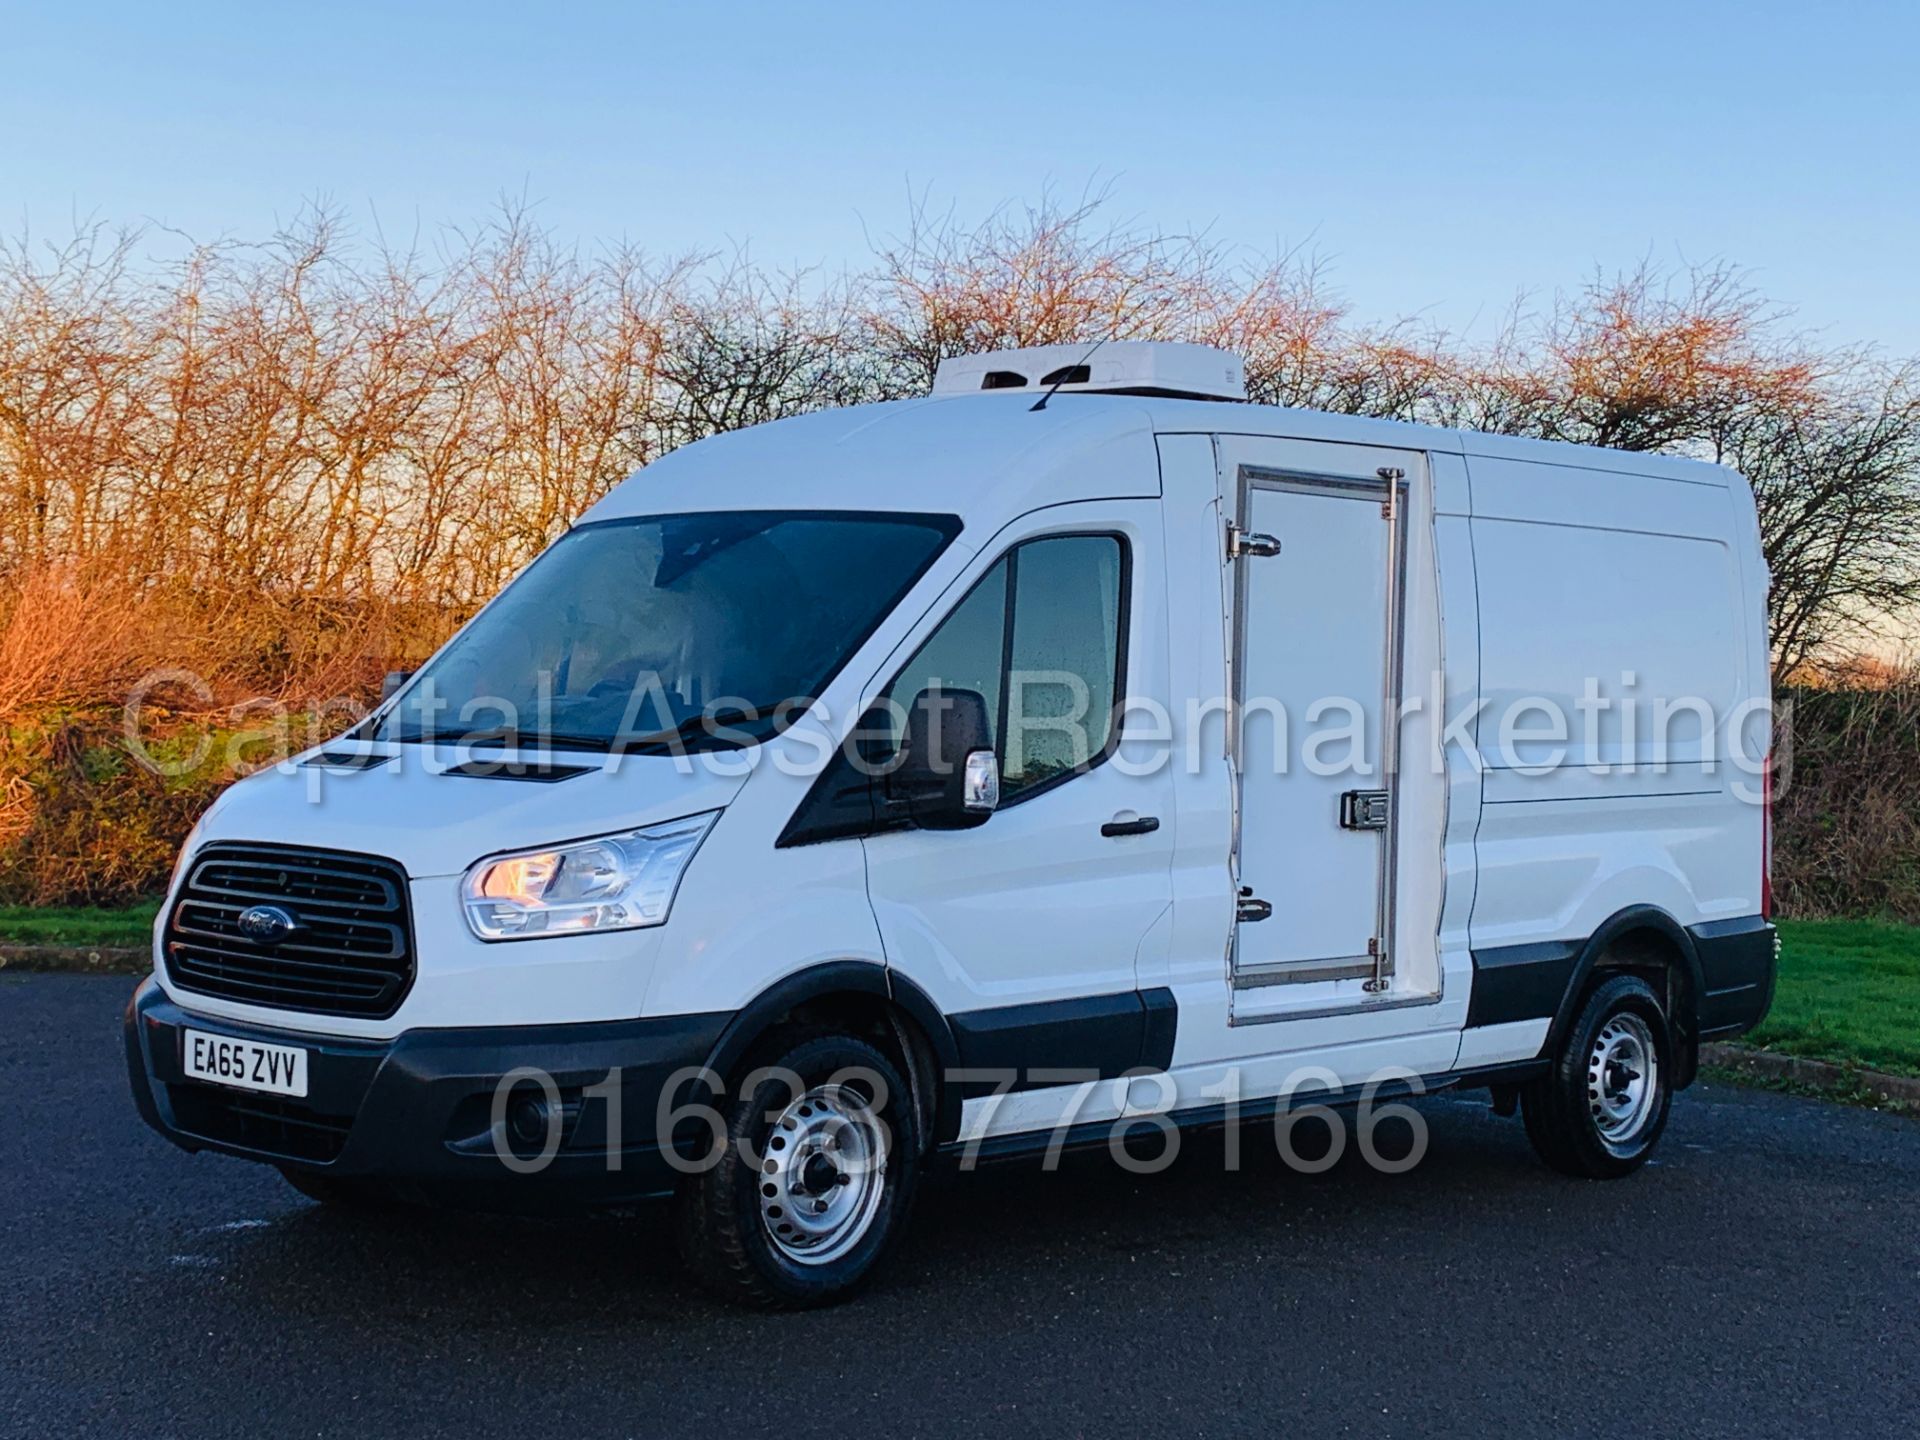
1124,367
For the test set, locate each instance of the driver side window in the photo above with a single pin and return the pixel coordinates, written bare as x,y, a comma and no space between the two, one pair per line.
1041,637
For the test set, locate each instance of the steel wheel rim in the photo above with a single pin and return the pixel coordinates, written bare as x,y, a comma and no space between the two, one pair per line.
1623,1081
823,1175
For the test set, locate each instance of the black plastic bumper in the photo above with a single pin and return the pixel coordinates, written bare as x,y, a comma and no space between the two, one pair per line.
419,1110
1738,960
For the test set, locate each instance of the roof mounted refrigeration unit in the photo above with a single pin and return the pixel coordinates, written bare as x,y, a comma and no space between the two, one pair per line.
1124,367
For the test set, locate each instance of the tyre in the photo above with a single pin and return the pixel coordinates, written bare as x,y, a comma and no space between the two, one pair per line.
1600,1110
815,1181
341,1193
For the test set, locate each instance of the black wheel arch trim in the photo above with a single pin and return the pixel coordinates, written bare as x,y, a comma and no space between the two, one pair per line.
1626,922
1125,1032
1544,979
1725,967
843,977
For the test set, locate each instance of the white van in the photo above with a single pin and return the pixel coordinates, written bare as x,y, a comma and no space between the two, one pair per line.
1076,747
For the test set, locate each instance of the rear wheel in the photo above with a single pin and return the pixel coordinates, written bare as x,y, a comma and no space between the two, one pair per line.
815,1182
1601,1109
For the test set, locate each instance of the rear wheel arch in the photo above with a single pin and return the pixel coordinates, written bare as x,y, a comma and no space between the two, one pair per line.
1646,941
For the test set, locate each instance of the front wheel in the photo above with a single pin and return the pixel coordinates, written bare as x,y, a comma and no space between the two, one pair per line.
815,1181
1600,1110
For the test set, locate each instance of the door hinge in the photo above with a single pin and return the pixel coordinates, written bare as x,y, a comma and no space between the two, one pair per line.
1250,542
1393,475
1379,957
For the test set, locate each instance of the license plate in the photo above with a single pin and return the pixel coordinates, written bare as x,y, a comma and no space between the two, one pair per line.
245,1064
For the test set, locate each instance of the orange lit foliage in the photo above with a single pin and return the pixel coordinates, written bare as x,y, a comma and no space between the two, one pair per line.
287,466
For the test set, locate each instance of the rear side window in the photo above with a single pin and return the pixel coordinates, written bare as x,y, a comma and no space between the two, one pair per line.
1041,637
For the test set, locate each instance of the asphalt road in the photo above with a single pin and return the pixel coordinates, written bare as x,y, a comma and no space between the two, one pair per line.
1762,1277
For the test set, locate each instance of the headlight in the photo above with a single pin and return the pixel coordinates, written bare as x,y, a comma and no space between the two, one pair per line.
617,882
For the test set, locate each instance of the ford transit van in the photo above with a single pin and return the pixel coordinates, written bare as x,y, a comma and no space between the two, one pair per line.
1076,752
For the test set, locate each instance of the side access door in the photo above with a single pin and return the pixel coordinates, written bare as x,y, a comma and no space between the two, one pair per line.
1337,839
1332,974
1316,681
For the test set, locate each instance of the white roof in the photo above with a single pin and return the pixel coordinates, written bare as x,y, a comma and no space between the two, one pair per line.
990,457
985,458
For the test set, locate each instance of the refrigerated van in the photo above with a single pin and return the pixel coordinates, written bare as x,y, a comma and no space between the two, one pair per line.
1075,751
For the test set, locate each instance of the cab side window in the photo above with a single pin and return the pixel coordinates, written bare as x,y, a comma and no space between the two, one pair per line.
1041,637
967,652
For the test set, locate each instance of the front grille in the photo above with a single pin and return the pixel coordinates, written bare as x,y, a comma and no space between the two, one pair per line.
351,952
265,1123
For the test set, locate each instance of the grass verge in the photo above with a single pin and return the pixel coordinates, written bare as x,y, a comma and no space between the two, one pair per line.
79,925
1864,1088
1848,993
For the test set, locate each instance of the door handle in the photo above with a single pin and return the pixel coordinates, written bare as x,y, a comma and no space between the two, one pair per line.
1248,909
1145,825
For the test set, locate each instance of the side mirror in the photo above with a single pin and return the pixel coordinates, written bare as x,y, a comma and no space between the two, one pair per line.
390,685
947,778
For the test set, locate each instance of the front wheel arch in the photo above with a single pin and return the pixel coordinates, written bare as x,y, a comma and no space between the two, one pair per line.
868,999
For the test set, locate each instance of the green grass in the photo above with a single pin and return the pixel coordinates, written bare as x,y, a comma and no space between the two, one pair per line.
1849,992
77,925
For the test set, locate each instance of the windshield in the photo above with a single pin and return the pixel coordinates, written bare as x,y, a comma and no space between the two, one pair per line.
662,630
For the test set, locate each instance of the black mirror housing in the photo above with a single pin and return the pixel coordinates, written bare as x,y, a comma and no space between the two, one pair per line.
947,777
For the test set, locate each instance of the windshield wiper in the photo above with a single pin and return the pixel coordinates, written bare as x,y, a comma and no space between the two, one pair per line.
698,727
702,726
509,737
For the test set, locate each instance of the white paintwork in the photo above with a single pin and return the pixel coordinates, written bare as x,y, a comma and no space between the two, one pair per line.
1527,566
1655,589
1490,1044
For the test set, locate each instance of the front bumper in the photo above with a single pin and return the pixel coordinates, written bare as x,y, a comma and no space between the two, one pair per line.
418,1110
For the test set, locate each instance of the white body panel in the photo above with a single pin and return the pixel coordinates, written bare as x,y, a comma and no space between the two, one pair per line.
1639,582
1525,567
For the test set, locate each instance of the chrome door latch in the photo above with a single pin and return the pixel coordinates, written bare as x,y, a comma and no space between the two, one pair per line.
1364,809
1241,543
1248,909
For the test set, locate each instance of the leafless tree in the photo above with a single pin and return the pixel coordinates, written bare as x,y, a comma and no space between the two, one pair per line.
291,462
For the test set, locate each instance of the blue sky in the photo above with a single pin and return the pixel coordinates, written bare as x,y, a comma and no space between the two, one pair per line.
1438,157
